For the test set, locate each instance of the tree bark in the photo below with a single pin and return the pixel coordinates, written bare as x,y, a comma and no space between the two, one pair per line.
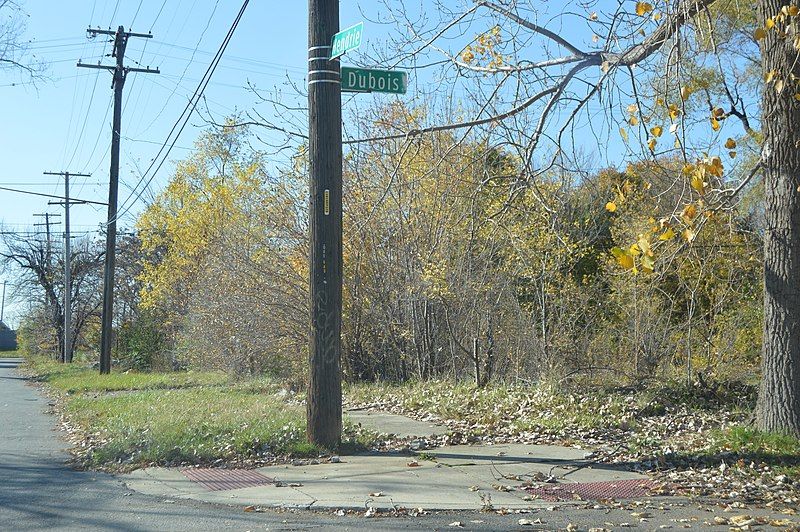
778,407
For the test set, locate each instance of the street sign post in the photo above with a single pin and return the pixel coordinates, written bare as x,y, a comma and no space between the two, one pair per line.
370,80
346,40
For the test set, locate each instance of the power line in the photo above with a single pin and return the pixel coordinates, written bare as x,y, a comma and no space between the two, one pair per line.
163,4
32,183
137,13
185,115
168,29
237,58
196,46
50,196
85,120
249,62
114,14
99,135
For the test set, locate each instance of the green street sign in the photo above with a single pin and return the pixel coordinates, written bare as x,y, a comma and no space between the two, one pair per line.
369,80
346,40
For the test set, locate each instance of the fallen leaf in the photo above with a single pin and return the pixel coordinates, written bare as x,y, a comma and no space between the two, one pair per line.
741,520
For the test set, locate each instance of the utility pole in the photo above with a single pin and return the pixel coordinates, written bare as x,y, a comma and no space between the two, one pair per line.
324,398
67,354
120,72
47,258
47,223
3,304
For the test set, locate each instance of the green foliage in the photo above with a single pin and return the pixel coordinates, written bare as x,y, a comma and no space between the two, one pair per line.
141,343
35,336
198,425
749,441
136,419
78,378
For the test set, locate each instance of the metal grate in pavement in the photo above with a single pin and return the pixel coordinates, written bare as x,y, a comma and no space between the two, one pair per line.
619,489
226,479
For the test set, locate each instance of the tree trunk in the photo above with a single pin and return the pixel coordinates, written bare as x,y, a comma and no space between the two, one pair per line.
779,396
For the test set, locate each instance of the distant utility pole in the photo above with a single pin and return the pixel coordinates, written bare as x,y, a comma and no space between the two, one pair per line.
3,304
47,223
120,72
67,354
48,251
324,399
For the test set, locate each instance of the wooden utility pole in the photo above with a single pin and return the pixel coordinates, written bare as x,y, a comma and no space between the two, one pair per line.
120,71
67,354
48,267
324,398
3,304
47,223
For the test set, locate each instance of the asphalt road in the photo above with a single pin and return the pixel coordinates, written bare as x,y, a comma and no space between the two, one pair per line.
39,491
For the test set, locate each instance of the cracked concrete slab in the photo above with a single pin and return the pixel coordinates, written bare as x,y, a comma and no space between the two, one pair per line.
398,425
454,478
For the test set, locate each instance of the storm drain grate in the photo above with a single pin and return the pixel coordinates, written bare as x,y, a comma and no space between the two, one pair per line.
620,489
226,479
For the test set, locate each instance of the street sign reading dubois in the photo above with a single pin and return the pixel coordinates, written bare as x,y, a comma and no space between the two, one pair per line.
368,80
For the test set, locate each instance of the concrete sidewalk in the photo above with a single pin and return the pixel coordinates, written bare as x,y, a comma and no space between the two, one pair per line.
447,478
398,425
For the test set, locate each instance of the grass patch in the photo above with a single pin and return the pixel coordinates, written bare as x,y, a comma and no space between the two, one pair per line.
765,446
180,417
195,425
77,378
742,446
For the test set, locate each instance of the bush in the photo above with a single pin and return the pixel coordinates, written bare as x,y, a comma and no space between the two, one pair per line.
141,344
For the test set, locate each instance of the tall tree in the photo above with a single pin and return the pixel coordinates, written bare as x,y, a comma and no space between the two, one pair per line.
779,397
